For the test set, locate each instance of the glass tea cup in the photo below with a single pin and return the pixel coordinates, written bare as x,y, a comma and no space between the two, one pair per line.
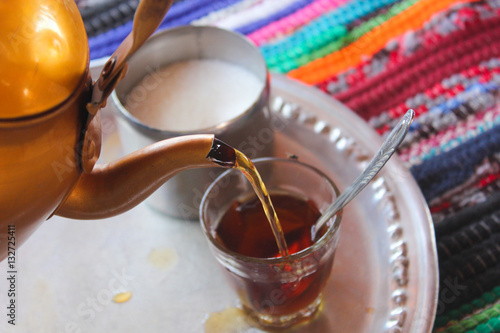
277,292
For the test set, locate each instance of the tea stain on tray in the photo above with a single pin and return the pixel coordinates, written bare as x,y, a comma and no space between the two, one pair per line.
163,258
370,310
230,320
122,297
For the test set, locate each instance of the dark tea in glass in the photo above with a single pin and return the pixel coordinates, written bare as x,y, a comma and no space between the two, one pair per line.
277,290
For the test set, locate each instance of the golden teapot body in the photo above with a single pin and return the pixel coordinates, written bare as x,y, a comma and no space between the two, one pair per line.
39,163
44,86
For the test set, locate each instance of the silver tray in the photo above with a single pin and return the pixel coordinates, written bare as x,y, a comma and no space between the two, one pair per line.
384,277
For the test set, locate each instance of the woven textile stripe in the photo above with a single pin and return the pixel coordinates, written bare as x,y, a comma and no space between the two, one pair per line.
463,218
456,244
111,17
487,321
457,164
476,189
394,82
337,36
292,22
458,17
476,259
453,137
268,19
214,17
484,73
413,18
181,13
452,317
256,12
454,292
320,28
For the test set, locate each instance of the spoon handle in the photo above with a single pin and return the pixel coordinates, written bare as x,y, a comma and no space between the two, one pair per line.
389,146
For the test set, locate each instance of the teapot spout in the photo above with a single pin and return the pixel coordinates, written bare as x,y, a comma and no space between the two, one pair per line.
114,188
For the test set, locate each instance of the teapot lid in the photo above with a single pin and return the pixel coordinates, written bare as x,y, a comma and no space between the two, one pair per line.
44,54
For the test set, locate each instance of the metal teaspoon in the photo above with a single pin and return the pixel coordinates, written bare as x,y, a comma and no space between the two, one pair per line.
389,146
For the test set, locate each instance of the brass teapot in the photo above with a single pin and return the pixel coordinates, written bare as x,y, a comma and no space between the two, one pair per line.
50,134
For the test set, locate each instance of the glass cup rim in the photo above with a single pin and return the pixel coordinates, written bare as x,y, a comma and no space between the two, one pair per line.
332,231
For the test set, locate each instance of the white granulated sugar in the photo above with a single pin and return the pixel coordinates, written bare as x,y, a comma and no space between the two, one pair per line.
193,95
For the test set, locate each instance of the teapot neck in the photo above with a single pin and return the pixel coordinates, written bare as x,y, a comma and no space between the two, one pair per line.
114,188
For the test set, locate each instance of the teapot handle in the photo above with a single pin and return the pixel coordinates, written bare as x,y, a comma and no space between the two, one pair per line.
147,19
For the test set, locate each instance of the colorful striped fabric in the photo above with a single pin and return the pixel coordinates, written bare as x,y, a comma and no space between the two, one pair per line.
381,57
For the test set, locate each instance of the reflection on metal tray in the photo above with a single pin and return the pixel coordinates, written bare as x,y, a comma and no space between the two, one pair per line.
384,277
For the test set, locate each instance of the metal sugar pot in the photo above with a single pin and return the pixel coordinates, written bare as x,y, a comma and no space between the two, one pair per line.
50,134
